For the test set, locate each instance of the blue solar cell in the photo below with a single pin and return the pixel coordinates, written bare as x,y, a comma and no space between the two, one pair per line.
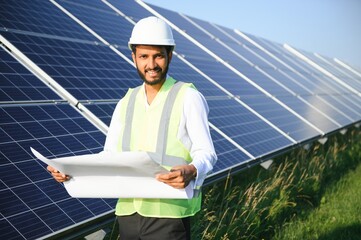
291,125
131,9
75,209
108,24
19,84
29,189
31,195
98,206
40,16
315,82
228,155
16,205
9,232
326,64
52,189
245,128
86,70
103,111
28,224
53,216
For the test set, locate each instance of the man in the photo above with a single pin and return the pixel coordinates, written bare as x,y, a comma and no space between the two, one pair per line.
166,117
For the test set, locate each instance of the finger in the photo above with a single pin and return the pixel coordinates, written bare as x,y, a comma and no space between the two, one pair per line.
59,177
168,176
52,169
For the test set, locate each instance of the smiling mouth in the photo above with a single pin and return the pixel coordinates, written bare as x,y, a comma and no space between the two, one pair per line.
152,73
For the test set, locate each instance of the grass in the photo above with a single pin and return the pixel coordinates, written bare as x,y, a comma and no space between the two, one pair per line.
256,203
337,217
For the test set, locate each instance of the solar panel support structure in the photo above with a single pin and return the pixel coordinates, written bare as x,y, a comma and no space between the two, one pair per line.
322,140
321,69
267,164
49,81
343,131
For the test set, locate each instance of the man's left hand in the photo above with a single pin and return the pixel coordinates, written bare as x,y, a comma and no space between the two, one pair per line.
179,176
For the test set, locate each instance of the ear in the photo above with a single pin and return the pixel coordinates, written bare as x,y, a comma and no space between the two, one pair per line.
133,56
170,55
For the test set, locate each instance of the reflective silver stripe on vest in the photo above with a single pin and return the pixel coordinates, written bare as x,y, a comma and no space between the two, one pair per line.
160,155
129,120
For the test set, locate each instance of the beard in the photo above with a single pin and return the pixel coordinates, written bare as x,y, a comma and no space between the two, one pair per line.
155,81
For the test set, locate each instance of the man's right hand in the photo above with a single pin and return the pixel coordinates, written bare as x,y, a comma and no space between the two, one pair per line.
58,176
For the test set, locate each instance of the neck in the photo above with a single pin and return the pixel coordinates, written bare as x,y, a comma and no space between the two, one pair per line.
152,90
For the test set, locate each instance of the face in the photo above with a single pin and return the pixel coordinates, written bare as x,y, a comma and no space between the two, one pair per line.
152,63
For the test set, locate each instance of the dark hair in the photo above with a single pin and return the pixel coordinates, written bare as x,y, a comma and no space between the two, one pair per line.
167,48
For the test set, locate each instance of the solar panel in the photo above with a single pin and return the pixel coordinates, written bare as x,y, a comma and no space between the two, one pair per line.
108,24
226,150
41,17
87,70
33,203
19,84
252,63
325,63
345,101
103,110
347,68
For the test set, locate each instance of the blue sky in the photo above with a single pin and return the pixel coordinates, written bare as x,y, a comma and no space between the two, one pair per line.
328,27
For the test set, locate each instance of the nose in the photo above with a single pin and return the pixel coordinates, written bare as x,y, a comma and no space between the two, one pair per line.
151,63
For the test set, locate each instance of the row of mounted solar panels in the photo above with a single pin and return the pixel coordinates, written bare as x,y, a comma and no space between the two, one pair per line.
263,99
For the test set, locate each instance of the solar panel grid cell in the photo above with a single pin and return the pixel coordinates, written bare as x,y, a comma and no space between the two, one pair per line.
40,16
245,128
325,88
19,84
108,24
88,71
324,62
30,191
104,111
227,152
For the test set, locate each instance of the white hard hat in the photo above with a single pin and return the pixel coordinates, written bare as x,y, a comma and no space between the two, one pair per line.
151,31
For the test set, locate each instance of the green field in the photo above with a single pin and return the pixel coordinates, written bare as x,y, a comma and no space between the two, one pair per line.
337,217
309,193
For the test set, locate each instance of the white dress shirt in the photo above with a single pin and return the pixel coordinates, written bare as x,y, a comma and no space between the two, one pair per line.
193,132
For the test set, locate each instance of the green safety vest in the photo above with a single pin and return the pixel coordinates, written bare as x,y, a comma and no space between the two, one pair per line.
154,130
